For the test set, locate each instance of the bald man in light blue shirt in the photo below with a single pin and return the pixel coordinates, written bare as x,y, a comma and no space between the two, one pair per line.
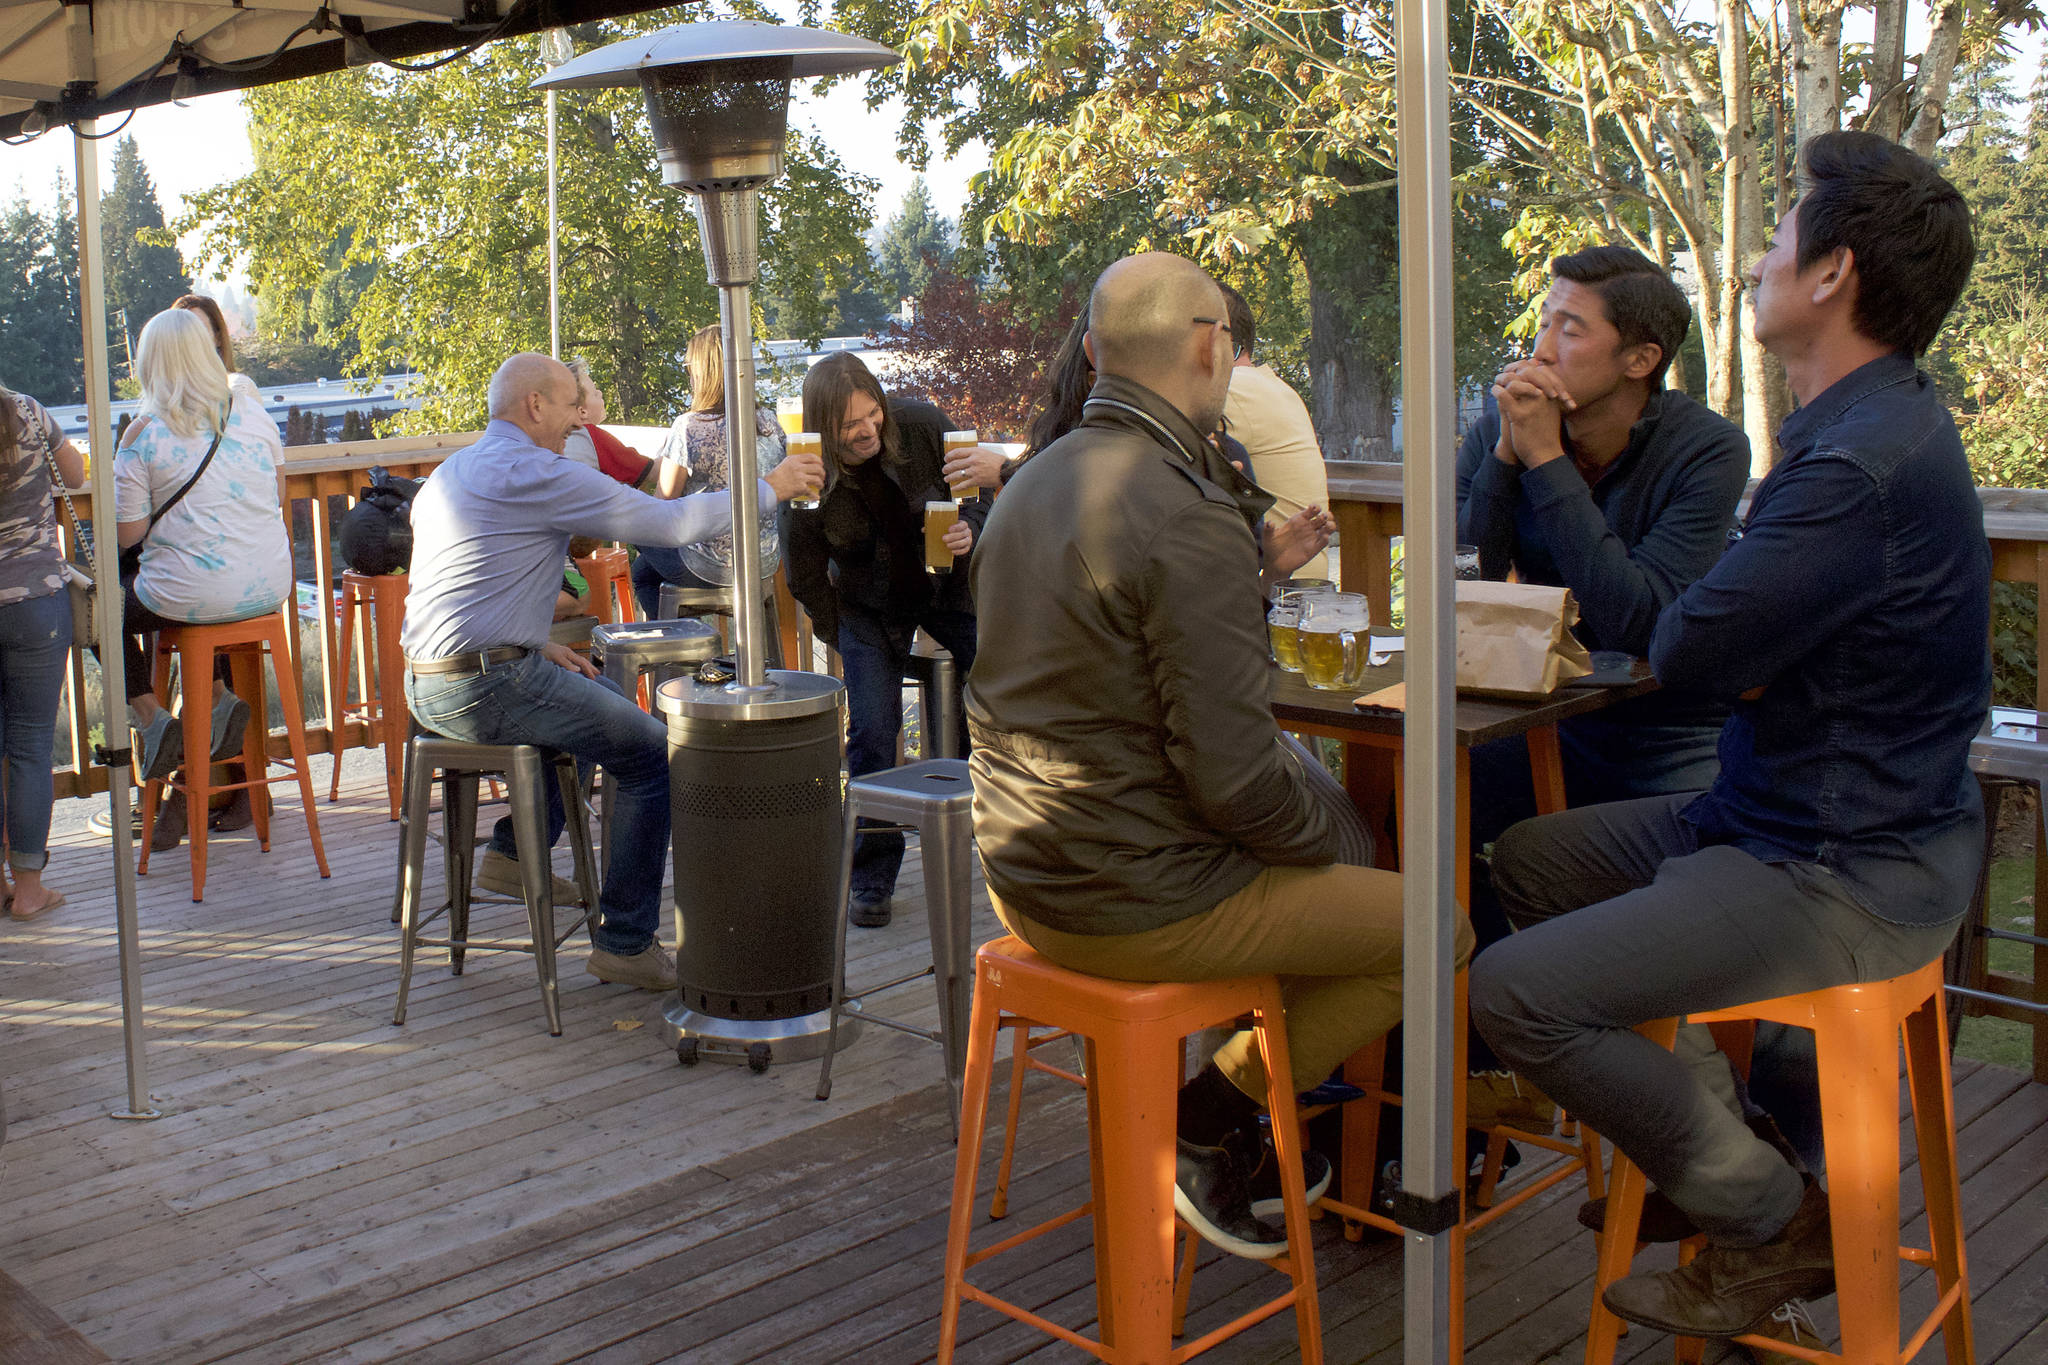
490,530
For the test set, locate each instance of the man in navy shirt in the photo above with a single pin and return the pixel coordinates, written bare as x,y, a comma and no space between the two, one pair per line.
1840,842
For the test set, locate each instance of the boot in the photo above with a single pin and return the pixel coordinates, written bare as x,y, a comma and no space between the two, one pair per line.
170,823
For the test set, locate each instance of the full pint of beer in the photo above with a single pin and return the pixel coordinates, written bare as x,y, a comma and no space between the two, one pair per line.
805,443
938,519
961,440
789,412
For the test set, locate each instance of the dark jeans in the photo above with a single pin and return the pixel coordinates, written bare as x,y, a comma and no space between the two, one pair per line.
875,653
654,565
533,701
34,636
1624,918
139,623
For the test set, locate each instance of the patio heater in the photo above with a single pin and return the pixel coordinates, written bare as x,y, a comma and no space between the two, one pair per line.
754,763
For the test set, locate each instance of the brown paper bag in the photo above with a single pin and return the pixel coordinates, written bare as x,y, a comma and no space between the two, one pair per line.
1515,640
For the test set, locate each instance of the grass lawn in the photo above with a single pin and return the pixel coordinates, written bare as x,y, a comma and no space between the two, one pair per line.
2001,1041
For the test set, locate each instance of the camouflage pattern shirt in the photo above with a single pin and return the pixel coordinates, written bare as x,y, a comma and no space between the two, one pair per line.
31,562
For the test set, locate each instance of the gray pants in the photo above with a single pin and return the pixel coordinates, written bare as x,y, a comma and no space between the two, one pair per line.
1625,919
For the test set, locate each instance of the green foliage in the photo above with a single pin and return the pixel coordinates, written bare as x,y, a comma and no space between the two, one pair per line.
39,302
915,244
2015,637
145,274
458,238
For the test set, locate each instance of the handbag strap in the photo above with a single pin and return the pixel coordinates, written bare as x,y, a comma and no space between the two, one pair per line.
57,483
158,515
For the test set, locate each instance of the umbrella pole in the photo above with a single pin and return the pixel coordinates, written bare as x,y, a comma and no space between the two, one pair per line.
1430,1196
92,310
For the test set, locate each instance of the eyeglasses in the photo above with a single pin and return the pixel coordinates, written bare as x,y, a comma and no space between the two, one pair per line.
1235,349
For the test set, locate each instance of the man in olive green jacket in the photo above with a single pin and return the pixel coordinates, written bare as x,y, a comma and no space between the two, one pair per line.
1139,814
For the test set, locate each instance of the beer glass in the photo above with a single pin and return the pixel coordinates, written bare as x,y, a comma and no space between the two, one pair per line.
1465,562
1334,638
1285,614
789,412
962,440
805,443
938,519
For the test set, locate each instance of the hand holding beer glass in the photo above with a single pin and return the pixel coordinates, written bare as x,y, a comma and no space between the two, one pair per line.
808,443
797,479
945,536
969,468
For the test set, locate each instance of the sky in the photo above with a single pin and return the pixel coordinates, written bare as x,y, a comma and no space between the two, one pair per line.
204,142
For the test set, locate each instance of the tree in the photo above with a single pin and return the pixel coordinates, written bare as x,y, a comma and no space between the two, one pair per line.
914,245
145,274
459,240
978,354
1256,136
39,302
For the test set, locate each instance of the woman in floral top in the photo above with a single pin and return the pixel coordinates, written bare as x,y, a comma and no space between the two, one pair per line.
694,461
35,634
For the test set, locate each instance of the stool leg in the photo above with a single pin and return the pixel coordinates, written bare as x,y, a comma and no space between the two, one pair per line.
529,827
578,811
393,719
1859,1079
849,819
1626,1186
946,844
295,734
245,673
1367,1069
1934,1132
196,684
152,797
458,834
1130,1094
339,669
1020,1059
1269,1032
412,865
981,1063
405,827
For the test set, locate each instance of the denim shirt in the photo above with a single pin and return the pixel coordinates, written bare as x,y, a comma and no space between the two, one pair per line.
1857,597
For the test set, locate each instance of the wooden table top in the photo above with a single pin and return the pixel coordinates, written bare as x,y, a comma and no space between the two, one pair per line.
1479,720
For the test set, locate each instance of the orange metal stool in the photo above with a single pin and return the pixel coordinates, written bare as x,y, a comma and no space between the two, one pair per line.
1856,1032
245,643
376,603
609,572
1134,1036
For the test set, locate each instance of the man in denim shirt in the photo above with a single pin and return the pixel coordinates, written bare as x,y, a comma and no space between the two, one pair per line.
1840,842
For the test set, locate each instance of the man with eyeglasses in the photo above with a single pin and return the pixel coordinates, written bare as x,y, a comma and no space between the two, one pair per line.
1139,814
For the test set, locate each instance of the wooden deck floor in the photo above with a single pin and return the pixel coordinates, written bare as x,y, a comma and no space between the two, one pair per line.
329,1188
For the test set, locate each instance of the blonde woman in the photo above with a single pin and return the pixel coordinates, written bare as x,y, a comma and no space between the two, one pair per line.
196,484
693,460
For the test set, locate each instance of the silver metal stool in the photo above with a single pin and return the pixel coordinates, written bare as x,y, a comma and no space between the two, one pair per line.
935,798
938,698
631,648
459,766
2012,748
675,601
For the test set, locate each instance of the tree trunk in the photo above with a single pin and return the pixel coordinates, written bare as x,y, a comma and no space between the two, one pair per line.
1352,383
1765,399
1739,207
1888,103
1937,68
1817,67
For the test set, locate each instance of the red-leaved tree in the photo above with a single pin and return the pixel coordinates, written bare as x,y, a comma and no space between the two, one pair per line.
976,354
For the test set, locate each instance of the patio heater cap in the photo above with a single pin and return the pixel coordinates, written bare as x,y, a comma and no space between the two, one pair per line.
718,93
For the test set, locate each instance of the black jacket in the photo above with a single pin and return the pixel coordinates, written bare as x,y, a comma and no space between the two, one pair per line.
848,555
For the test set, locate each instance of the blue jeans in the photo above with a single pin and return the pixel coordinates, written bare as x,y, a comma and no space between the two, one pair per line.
532,701
34,636
875,653
654,565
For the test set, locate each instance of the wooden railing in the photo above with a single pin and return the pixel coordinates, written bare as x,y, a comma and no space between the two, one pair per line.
313,474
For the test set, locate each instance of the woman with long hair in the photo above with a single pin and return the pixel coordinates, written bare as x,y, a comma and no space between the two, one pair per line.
223,343
35,635
215,551
694,460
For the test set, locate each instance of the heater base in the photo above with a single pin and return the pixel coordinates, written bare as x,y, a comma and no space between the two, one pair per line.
756,1043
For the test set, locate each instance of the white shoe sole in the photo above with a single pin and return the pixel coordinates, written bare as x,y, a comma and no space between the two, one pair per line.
1273,1208
1215,1236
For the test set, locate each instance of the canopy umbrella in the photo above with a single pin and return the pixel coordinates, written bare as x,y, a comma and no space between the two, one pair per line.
120,55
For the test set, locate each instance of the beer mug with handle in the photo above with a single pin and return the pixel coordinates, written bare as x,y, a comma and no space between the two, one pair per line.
1335,640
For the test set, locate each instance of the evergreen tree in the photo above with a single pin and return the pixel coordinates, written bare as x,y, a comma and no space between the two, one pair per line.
39,302
915,244
145,274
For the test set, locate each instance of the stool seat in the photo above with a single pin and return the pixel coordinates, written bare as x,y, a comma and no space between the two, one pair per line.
626,650
937,799
459,764
245,643
1134,1034
1856,1030
674,600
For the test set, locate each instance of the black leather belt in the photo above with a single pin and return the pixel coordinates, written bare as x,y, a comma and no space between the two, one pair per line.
458,665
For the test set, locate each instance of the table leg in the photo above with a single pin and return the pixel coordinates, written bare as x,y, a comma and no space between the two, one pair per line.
1546,766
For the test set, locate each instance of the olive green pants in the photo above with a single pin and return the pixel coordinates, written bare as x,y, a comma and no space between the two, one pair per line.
1331,934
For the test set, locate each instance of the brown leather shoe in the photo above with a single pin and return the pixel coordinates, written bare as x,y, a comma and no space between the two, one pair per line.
653,968
1726,1291
170,824
236,814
